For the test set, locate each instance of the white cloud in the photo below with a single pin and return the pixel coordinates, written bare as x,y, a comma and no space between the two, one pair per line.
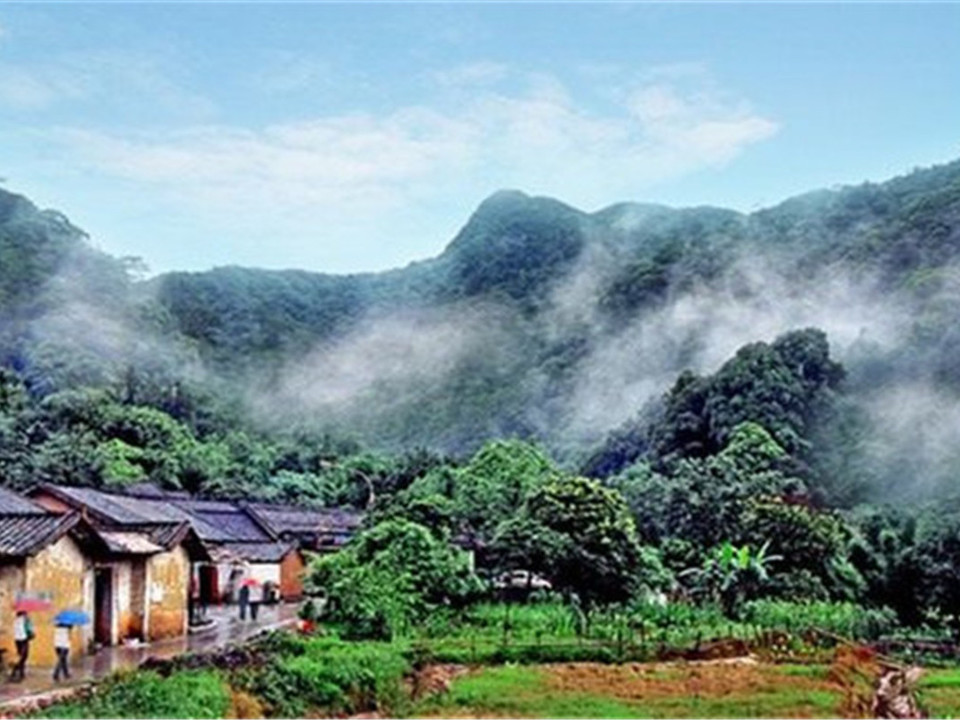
374,177
540,139
124,80
23,89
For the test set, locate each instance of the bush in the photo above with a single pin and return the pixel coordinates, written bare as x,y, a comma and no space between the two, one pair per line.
332,676
138,694
390,577
524,654
841,618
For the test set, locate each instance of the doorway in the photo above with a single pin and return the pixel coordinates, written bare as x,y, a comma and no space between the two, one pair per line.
103,605
209,585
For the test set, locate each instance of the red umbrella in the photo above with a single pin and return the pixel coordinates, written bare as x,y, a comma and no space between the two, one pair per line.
250,582
32,603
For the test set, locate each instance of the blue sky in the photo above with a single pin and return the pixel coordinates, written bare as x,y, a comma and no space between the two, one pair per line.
343,138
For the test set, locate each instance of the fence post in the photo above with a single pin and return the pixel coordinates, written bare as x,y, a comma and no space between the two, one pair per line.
506,625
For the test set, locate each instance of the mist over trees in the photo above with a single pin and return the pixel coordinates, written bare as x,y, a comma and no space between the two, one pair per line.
645,391
538,321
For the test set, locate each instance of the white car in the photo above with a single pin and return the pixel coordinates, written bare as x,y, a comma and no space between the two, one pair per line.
521,580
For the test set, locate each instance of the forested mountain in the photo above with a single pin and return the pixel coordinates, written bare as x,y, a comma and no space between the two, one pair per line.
540,321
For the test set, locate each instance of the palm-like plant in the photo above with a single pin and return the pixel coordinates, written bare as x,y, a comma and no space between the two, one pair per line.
730,574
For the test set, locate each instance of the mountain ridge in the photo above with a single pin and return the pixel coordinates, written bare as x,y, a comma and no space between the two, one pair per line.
537,319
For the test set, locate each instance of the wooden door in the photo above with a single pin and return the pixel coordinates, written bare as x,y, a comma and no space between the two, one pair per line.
209,581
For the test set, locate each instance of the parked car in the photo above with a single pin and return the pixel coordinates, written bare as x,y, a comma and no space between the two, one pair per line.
521,580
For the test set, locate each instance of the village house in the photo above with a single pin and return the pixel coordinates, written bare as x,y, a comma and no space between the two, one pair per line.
133,560
49,555
316,529
243,546
141,584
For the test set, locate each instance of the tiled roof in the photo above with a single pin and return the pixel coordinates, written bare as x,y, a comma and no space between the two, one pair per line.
13,504
268,552
229,522
159,521
290,519
169,511
111,508
22,535
214,522
129,543
126,511
196,505
166,534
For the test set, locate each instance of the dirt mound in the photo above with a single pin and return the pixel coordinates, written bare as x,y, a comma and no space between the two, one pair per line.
435,679
680,680
872,687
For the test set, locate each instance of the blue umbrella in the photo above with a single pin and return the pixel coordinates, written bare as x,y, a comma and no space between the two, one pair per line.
71,617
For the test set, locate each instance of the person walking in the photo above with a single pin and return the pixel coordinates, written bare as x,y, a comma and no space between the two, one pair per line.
254,607
61,643
22,635
243,600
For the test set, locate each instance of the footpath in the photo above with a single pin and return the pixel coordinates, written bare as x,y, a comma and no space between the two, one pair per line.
39,686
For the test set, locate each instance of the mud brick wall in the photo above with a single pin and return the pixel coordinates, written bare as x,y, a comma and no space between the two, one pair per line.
59,569
11,582
291,576
168,579
138,598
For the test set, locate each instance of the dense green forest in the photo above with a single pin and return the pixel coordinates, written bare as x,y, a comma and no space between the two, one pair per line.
726,407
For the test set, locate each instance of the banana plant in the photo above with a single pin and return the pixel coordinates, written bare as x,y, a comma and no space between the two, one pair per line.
730,574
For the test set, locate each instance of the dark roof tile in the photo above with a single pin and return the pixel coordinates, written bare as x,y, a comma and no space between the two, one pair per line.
13,504
110,508
22,535
229,522
124,510
298,520
268,552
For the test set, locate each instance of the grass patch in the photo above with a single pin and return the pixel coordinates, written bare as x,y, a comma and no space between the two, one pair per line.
136,694
939,692
637,691
941,678
518,691
817,672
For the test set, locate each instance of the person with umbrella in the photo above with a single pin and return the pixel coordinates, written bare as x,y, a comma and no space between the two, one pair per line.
61,643
27,602
254,604
22,635
63,622
243,600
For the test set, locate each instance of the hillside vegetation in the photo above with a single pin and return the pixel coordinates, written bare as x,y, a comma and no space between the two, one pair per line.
636,403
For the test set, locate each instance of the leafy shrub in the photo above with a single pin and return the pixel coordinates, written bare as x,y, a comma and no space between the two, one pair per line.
330,675
390,577
841,618
524,654
137,694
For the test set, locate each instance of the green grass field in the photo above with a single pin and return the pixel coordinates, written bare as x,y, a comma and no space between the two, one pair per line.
663,691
